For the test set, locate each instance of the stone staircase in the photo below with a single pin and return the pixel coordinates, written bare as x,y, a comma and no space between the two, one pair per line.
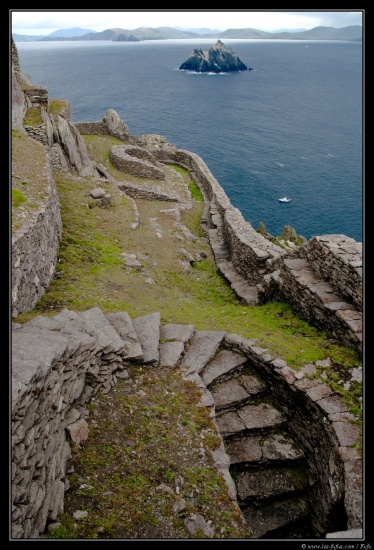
269,470
319,302
307,279
248,294
267,464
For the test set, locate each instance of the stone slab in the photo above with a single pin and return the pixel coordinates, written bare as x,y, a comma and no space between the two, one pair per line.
268,483
223,363
278,447
252,384
228,393
182,333
122,323
147,328
260,416
275,515
229,424
202,349
246,449
170,353
107,337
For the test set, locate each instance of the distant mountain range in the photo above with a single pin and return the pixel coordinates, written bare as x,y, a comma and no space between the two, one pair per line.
351,33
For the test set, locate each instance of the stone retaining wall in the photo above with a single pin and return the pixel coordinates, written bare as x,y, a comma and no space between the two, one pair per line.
92,128
249,251
38,96
34,252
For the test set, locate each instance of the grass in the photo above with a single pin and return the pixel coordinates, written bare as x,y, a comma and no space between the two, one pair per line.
57,105
17,198
33,117
29,178
195,190
123,468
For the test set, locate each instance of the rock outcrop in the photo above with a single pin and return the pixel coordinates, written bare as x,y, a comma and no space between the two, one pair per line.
20,102
218,59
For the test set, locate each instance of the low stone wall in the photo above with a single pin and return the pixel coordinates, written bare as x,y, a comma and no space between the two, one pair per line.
34,252
137,192
92,128
136,161
111,125
38,95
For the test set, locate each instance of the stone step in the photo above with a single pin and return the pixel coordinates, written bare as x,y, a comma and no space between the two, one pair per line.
272,516
237,391
148,328
174,341
217,244
265,449
108,338
249,419
271,483
248,294
122,323
202,349
223,366
310,296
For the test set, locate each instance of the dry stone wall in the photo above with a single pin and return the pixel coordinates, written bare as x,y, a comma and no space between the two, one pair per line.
111,125
248,250
34,252
92,128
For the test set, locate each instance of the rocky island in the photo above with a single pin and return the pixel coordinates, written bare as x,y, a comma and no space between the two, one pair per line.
218,59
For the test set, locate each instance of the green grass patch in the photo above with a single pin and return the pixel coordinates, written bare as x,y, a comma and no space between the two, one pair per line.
196,194
33,117
18,198
56,106
118,472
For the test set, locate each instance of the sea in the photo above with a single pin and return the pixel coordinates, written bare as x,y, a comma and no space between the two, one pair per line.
292,126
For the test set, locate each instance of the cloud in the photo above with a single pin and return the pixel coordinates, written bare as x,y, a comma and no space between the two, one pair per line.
268,20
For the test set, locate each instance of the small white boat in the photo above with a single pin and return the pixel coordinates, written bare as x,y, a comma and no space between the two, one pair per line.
285,199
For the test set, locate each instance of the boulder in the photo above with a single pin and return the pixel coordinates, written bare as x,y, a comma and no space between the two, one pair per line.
116,127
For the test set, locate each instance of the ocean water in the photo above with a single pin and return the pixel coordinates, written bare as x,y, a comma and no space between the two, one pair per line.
293,126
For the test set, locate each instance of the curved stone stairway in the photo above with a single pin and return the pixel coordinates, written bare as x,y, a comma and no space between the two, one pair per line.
266,463
283,432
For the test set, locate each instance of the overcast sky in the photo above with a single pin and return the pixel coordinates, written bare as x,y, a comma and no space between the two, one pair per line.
41,22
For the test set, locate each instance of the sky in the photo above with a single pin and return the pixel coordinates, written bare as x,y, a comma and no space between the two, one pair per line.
43,22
